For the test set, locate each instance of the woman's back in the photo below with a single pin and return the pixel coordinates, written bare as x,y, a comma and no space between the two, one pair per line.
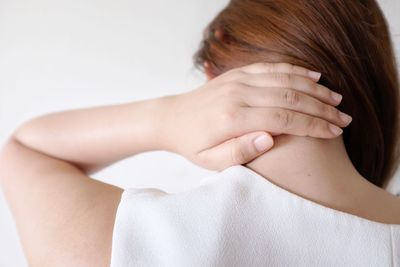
239,218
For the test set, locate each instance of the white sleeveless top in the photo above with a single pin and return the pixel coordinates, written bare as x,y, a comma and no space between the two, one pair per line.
238,218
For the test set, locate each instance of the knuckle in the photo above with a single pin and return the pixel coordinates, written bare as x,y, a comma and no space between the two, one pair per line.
261,67
283,118
269,67
237,155
229,116
312,125
292,98
288,67
231,88
283,78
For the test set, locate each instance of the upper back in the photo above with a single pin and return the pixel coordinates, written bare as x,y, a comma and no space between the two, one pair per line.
237,218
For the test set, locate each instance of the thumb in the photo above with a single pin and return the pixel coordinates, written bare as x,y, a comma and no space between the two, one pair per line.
236,151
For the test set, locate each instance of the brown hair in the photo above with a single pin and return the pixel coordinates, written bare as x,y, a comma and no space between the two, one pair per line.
347,40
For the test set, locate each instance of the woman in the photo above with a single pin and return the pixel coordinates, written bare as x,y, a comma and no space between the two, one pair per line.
307,195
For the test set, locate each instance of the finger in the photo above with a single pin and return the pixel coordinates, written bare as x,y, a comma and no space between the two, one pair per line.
281,121
236,151
299,83
293,100
265,67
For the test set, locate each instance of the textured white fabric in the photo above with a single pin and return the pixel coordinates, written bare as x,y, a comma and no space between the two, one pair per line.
238,218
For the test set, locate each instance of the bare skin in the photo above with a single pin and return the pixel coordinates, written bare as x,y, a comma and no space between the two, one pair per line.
65,218
321,171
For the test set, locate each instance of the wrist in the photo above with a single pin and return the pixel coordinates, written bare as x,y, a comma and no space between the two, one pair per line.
165,123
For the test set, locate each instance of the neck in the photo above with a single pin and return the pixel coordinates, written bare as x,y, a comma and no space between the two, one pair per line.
314,168
321,171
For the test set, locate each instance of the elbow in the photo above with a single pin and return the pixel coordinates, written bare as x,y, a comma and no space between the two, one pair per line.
14,154
25,133
7,152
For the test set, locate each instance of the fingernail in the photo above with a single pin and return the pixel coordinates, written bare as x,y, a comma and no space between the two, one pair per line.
335,130
262,143
337,97
345,118
315,75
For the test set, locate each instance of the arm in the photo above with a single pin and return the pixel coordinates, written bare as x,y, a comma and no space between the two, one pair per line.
64,218
58,210
94,138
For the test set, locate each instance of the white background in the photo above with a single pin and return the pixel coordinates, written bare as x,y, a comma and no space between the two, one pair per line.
57,55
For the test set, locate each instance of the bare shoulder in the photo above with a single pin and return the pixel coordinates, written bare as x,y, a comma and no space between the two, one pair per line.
380,205
391,207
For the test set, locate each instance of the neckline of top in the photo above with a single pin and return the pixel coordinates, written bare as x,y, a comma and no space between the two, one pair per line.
247,172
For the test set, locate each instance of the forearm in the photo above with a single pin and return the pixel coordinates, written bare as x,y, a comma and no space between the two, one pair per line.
93,138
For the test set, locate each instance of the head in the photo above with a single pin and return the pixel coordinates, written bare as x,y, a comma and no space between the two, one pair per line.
347,40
